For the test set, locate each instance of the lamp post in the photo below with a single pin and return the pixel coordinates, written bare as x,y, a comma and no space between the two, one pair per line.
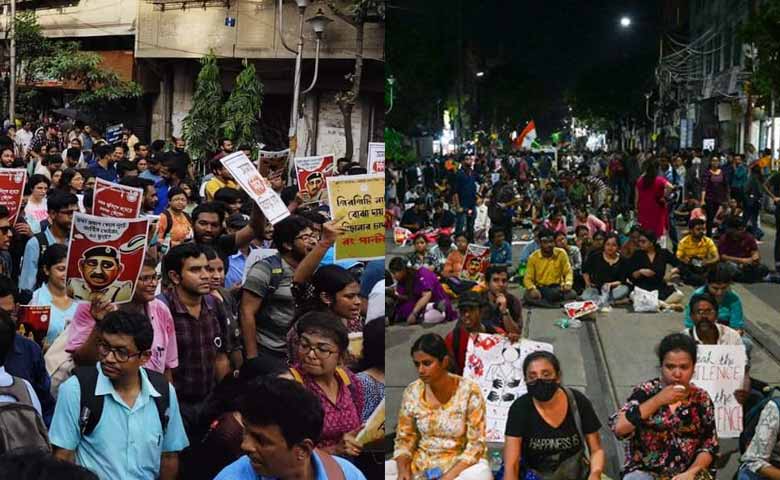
318,23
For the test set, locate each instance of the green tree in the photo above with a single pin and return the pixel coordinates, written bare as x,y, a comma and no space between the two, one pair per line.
202,125
763,33
242,109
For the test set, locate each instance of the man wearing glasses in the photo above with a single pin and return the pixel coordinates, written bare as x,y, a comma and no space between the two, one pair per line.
131,439
84,337
61,207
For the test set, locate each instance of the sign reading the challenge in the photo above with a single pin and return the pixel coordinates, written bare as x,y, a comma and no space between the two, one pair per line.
312,173
376,157
359,201
475,263
115,200
720,370
105,257
12,181
496,365
33,322
257,187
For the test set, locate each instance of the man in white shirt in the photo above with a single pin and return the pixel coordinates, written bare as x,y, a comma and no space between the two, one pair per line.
24,136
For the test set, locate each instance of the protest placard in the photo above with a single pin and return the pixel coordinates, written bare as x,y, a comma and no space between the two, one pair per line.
312,173
257,187
374,429
116,201
33,322
105,256
496,364
268,161
357,202
720,370
114,133
475,263
376,157
12,182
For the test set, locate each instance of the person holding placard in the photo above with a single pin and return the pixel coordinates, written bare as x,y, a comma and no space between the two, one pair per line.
668,422
551,427
441,423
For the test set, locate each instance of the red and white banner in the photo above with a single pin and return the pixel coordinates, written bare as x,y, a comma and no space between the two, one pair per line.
105,256
376,157
12,182
311,173
115,200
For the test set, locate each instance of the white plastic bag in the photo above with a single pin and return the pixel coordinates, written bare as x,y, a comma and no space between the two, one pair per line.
644,301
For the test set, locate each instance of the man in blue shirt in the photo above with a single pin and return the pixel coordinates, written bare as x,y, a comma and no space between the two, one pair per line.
500,249
280,445
104,166
465,201
129,441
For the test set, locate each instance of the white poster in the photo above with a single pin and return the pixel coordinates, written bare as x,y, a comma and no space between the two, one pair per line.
497,365
258,188
720,370
376,157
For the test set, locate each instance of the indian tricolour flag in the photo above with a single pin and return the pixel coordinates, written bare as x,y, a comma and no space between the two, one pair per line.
527,136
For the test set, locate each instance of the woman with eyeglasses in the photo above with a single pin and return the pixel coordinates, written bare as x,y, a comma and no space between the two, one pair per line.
83,336
441,423
53,292
321,349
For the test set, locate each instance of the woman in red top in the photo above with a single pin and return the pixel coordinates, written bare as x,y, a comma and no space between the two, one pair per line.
650,203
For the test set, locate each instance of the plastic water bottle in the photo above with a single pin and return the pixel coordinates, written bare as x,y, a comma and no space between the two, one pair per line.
563,323
495,462
434,473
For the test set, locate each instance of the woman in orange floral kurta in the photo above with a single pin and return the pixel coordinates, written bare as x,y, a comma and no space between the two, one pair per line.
441,422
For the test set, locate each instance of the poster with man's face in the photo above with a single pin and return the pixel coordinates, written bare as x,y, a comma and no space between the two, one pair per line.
475,263
311,173
105,256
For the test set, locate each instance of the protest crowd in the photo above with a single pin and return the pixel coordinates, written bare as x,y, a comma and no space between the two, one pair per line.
597,231
159,319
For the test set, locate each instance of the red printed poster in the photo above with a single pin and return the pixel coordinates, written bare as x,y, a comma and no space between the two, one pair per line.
12,181
33,322
475,263
311,172
115,200
105,257
376,157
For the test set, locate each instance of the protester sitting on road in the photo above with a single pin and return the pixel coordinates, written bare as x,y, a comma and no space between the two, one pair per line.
575,259
739,250
531,247
322,345
548,277
532,442
277,444
761,460
500,249
697,254
421,256
415,218
729,304
556,221
441,422
420,295
470,306
591,221
668,422
454,263
442,218
606,270
583,239
647,270
631,245
440,252
503,311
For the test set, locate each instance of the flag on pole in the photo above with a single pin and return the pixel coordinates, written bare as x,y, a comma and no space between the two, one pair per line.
527,136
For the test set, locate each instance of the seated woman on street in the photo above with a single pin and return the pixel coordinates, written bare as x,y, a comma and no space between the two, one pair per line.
422,256
647,270
441,423
668,422
606,269
543,431
420,295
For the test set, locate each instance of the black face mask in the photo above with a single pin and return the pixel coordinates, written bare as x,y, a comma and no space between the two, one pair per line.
543,390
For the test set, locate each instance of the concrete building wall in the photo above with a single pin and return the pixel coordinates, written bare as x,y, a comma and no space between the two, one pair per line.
89,18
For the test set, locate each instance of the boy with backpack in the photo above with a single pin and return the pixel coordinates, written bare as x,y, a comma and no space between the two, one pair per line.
117,418
20,411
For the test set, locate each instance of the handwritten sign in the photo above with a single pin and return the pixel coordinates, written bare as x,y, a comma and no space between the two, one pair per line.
720,370
12,181
105,256
311,174
257,187
475,263
115,200
376,157
496,365
359,202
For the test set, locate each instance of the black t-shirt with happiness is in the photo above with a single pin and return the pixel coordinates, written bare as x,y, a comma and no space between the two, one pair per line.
545,447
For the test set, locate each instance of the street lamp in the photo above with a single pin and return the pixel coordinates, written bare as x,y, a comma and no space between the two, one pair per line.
625,22
391,82
318,22
480,74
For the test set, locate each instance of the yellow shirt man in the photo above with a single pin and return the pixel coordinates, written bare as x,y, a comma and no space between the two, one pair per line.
544,271
704,249
215,184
